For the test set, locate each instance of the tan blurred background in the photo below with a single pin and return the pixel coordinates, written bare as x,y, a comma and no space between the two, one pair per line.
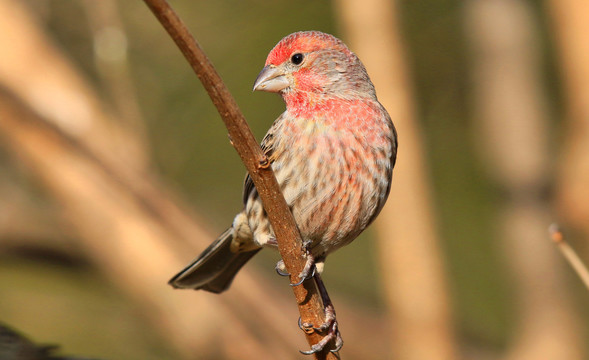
116,172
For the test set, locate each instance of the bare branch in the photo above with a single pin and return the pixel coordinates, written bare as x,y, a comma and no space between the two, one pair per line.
287,234
569,254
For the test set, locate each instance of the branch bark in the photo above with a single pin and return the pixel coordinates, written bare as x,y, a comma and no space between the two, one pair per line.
289,239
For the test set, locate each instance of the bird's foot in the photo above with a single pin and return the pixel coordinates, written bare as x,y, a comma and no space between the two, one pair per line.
281,269
333,334
264,163
309,269
307,273
330,324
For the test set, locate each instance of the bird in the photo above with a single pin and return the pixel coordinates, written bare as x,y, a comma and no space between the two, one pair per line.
333,151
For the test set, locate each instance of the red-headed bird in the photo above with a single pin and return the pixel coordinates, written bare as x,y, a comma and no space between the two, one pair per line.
333,151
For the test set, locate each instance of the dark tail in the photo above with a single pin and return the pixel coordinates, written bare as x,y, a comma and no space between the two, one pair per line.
215,268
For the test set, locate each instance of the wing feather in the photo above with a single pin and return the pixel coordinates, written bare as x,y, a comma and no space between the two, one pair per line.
268,145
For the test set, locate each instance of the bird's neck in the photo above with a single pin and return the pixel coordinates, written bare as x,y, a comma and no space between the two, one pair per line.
301,101
360,114
310,104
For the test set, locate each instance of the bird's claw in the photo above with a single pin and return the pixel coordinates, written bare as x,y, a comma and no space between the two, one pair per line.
333,334
339,343
330,319
264,163
281,269
306,327
330,324
304,275
308,270
307,273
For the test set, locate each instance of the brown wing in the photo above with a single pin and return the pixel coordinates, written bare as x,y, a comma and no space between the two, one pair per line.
268,143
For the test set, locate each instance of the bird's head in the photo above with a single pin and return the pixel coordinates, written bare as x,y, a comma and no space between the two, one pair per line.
313,64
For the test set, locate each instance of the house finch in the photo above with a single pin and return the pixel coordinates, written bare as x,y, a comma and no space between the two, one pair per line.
332,150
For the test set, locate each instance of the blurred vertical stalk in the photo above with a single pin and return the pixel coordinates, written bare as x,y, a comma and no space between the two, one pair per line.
509,106
411,263
571,25
111,60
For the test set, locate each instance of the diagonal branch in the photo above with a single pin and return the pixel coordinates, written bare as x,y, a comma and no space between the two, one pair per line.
285,229
569,254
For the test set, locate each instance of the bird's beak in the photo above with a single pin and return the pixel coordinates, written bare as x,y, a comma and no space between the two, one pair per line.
271,79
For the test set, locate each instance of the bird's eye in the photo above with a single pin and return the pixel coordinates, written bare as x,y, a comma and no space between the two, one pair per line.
297,58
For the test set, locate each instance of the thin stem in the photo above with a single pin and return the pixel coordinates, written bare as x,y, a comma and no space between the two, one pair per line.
289,240
569,254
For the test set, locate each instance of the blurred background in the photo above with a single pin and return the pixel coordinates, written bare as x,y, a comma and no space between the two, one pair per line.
117,171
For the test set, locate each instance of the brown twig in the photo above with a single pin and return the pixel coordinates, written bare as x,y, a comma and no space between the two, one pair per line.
289,239
569,254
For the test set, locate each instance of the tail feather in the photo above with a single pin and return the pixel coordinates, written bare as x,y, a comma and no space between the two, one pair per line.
215,268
